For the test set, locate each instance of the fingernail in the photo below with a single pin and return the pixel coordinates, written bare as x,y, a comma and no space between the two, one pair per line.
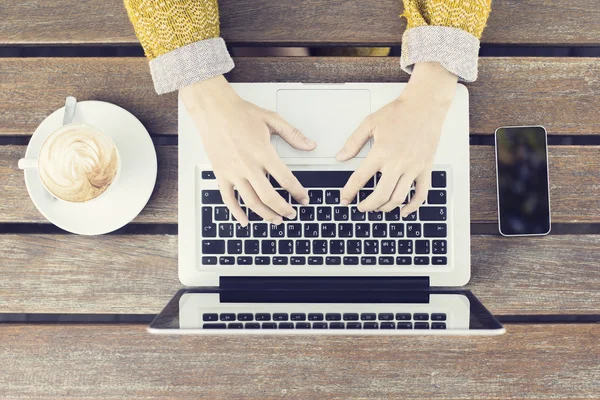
309,142
291,215
344,202
277,221
304,201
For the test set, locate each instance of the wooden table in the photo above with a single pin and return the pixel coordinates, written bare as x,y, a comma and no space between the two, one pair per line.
544,288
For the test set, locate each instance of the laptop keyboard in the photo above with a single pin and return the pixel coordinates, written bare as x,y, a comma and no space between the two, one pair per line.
325,320
324,232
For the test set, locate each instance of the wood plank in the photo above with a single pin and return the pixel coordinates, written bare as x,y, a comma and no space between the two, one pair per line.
556,274
313,22
575,188
560,93
123,361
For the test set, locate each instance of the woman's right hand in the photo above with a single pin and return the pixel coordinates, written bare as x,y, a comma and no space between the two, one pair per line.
236,138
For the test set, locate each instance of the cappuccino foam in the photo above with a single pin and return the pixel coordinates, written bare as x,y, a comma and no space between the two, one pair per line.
78,163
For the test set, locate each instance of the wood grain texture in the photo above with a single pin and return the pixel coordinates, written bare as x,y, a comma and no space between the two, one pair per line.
563,94
574,178
123,361
309,22
557,274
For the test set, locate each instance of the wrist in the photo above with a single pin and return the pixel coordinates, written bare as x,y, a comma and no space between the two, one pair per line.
432,80
206,93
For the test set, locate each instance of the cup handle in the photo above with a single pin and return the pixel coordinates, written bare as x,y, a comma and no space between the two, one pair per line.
28,163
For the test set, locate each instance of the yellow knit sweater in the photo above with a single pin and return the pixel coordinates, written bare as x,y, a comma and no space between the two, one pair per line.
165,25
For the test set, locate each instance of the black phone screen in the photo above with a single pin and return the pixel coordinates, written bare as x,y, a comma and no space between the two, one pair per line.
522,173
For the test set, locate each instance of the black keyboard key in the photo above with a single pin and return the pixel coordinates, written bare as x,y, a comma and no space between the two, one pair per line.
221,214
333,260
328,230
252,325
362,230
438,179
403,261
396,230
410,217
286,325
421,317
211,197
245,317
350,316
353,325
227,317
226,260
315,196
315,260
226,230
371,325
368,317
386,260
439,261
421,246
333,317
277,231
210,317
207,215
353,247
351,260
209,231
403,316
269,325
252,216
302,246
268,246
286,247
307,213
298,317
405,247
438,317
319,325
388,247
386,316
262,260
280,261
298,260
244,260
404,325
319,246
434,230
368,260
259,230
375,216
388,325
280,317
413,230
294,230
234,247
336,247
345,230
336,325
379,230
371,246
311,230
235,326
209,260
251,247
332,197
393,215
341,214
436,197
438,325
263,316
438,246
325,179
421,260
302,325
432,213
421,325
214,326
363,194
356,215
242,231
284,195
315,317
208,175
324,213
295,216
213,247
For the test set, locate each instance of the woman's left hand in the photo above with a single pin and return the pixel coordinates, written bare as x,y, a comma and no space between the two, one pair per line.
406,133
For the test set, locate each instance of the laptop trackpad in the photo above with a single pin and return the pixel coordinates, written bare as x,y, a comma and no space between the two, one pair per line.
327,116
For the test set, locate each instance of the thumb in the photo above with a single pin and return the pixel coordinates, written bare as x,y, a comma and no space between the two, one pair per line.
287,132
355,142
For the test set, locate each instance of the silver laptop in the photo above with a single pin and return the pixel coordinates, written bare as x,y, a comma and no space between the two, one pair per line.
332,270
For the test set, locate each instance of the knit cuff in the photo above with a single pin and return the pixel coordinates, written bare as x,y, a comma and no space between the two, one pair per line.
189,64
455,49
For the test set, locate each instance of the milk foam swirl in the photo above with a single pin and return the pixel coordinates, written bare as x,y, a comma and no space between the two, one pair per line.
78,163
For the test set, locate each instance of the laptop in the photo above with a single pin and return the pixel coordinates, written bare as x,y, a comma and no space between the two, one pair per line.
333,270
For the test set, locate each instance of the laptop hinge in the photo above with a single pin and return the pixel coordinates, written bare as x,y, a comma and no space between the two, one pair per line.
324,283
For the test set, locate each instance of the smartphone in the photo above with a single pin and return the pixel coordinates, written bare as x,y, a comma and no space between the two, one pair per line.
523,180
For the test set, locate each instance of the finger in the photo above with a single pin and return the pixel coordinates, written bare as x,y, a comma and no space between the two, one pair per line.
228,195
421,190
399,194
287,132
382,193
287,180
270,197
358,179
254,203
356,141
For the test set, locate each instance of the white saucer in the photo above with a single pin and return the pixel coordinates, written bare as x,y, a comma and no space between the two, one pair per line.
125,198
